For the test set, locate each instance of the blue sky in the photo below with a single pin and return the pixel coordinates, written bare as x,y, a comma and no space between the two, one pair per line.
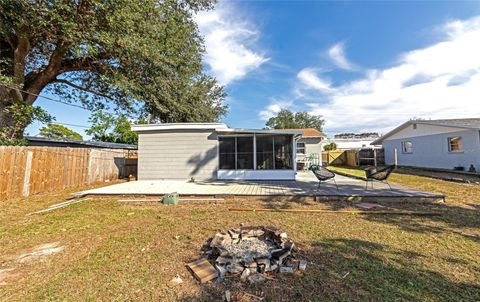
364,66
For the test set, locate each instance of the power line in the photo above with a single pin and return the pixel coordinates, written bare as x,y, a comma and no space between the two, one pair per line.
65,124
331,113
73,125
45,97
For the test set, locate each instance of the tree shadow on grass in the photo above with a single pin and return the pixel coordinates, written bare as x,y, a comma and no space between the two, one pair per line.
352,270
286,202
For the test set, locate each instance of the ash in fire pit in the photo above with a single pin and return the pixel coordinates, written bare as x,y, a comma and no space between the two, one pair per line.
251,252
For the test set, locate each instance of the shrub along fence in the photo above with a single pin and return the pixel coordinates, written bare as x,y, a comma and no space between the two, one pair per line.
25,171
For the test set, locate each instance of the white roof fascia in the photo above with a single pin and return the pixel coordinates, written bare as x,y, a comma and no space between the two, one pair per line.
179,126
260,131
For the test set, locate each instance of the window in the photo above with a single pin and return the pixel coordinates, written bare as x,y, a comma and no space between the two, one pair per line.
236,152
455,144
407,147
301,148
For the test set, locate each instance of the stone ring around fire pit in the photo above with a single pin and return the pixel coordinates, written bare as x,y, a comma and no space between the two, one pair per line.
252,251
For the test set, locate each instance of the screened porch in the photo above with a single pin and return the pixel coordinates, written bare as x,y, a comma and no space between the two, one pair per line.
269,154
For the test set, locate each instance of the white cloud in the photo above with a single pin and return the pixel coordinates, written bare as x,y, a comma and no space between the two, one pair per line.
337,54
439,81
230,43
274,108
309,78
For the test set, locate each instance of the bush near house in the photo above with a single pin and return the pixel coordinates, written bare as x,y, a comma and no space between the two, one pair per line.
330,147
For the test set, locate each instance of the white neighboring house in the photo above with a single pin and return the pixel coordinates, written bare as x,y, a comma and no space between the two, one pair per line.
442,144
212,151
352,141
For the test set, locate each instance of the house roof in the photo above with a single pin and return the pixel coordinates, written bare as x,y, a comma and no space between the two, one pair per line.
466,123
39,140
310,132
219,127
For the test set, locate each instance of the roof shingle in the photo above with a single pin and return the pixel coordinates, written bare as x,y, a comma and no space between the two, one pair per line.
310,132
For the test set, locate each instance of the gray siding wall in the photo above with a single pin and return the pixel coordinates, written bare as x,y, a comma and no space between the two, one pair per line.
431,151
312,145
177,155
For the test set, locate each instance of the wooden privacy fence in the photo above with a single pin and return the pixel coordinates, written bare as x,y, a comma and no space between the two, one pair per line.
25,171
353,158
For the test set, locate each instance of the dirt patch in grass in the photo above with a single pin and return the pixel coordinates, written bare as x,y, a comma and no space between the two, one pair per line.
40,252
119,251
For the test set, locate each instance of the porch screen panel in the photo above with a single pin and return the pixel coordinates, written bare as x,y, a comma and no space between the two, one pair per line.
283,152
245,152
264,152
227,152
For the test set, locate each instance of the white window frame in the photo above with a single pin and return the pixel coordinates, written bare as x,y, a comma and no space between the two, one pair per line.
460,144
406,150
299,149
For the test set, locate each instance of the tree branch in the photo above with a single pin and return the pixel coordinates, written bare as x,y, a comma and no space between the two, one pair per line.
62,81
10,39
90,63
35,81
19,55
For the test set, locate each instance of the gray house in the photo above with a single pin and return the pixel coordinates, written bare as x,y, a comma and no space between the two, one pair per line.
443,144
215,151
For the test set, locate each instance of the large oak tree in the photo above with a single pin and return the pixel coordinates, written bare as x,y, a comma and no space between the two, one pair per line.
141,56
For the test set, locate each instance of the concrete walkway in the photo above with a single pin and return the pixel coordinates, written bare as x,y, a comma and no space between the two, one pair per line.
305,185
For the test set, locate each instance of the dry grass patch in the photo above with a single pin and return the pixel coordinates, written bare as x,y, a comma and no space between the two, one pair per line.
129,251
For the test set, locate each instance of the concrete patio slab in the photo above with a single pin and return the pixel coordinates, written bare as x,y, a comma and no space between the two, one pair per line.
305,185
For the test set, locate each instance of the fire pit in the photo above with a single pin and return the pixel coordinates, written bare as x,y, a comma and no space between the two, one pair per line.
251,252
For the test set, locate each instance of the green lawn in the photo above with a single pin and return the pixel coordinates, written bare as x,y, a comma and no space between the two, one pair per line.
357,172
128,252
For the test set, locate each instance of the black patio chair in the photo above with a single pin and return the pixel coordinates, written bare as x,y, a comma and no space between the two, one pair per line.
323,174
373,174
